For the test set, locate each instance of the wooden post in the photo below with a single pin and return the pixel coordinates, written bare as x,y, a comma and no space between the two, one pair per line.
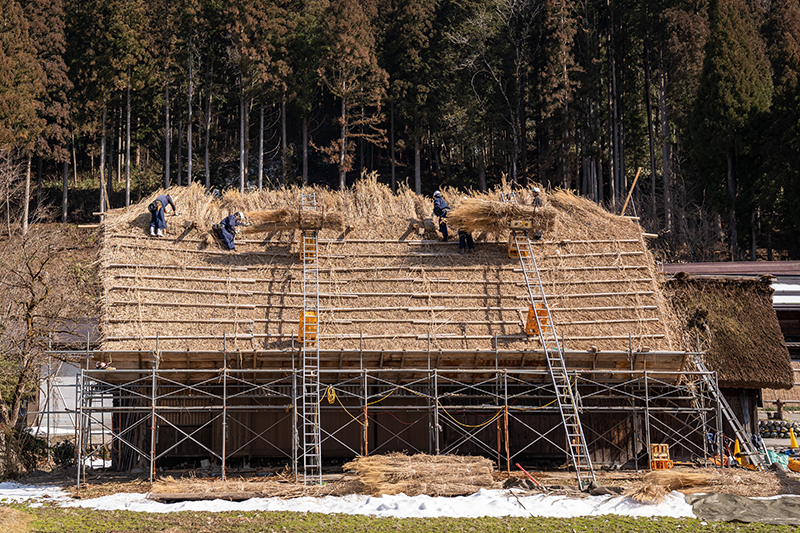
508,455
625,205
499,443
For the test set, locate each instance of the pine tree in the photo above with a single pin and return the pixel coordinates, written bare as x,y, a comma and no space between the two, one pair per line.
20,81
779,189
735,86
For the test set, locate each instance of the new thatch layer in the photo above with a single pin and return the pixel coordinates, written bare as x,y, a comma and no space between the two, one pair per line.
737,327
442,475
386,281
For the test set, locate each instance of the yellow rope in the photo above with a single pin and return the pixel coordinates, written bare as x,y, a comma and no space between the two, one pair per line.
379,401
331,394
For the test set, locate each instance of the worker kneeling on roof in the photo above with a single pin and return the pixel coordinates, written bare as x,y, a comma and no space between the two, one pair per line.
227,228
440,209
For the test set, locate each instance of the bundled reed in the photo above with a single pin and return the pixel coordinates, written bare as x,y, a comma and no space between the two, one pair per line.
659,483
287,219
443,475
494,218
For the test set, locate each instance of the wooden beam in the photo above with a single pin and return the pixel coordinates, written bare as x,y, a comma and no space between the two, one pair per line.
190,279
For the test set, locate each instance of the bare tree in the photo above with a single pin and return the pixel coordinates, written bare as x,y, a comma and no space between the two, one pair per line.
38,298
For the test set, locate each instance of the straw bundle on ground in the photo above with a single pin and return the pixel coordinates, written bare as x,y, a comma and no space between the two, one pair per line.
443,475
659,483
172,489
494,218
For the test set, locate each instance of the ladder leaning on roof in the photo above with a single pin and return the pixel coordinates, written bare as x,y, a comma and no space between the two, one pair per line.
540,321
309,329
752,454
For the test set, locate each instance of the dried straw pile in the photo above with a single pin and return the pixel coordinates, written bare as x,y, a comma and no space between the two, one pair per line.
443,475
659,483
482,215
386,281
286,219
281,486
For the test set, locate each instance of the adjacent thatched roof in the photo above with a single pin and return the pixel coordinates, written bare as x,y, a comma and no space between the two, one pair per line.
387,282
737,326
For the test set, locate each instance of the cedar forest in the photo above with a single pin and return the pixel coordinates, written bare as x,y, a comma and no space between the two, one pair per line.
102,102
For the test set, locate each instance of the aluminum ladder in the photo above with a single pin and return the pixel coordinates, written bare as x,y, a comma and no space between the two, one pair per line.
744,442
309,328
540,320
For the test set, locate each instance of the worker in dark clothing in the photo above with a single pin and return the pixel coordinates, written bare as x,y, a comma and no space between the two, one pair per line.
537,202
465,242
158,213
226,229
440,209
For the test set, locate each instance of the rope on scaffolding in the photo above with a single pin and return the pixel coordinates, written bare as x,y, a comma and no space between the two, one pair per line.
495,417
380,400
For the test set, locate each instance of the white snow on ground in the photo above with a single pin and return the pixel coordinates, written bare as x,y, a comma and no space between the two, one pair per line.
482,503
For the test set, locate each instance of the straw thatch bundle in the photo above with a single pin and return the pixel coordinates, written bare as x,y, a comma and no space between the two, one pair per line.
659,483
443,475
286,219
281,486
493,217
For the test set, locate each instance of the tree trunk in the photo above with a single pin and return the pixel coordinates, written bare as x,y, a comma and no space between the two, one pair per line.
732,210
521,117
666,150
753,247
261,146
482,167
103,199
284,144
65,191
417,159
305,150
27,198
343,148
189,117
39,164
179,162
208,140
651,139
167,136
128,143
241,134
391,144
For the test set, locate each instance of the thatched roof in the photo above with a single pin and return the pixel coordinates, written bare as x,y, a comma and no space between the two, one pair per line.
737,327
387,282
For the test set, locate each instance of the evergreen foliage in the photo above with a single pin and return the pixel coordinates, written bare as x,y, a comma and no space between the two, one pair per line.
701,94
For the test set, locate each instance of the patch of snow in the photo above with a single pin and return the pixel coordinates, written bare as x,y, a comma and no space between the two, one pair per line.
494,503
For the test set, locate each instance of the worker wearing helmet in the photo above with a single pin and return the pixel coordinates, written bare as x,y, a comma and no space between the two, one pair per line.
537,200
440,209
226,229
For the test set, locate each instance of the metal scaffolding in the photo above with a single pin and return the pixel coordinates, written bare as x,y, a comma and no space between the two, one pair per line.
510,414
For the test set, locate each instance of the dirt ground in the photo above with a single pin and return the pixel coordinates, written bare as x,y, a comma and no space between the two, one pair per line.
206,485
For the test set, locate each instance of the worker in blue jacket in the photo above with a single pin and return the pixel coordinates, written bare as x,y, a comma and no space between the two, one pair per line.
440,209
158,212
226,229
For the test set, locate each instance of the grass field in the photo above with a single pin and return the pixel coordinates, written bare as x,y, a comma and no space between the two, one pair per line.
20,518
